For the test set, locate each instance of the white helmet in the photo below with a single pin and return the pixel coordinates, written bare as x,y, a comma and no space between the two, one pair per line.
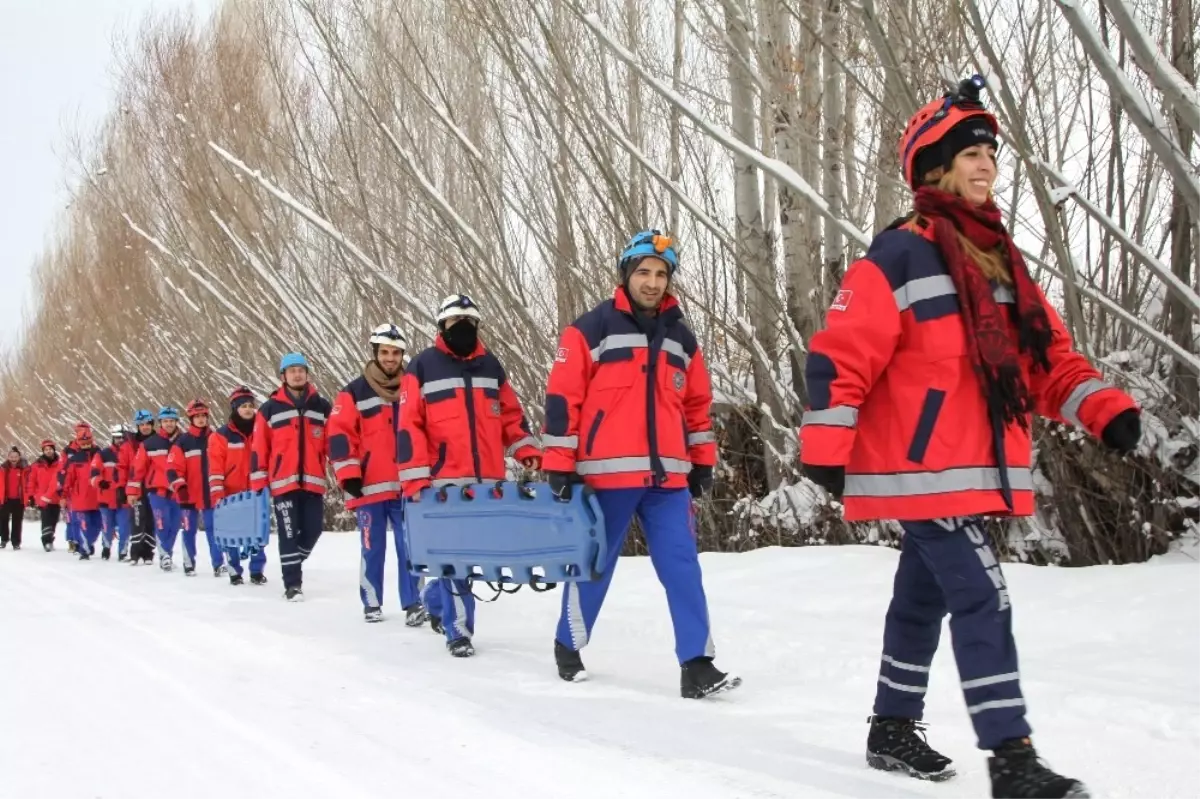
457,305
116,430
389,336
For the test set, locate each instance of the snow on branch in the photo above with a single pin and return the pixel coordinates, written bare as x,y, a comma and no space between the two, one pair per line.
1166,78
777,169
1172,281
319,222
1141,111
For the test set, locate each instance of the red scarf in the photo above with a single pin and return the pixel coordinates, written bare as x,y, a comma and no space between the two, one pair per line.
994,354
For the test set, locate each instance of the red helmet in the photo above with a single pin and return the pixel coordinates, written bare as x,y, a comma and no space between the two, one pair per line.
47,443
83,433
240,393
195,408
934,120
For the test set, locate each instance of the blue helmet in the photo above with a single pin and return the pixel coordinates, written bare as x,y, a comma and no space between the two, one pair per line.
650,243
143,417
167,412
292,359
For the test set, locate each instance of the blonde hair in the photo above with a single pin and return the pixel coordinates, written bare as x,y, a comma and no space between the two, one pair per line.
994,262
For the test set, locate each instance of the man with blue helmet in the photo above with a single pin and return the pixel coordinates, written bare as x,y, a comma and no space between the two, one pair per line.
151,480
627,414
288,455
141,543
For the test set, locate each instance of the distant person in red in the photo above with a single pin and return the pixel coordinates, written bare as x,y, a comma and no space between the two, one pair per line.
188,471
936,353
288,456
75,486
229,474
42,477
14,495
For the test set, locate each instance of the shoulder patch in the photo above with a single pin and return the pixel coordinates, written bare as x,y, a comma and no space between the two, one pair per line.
561,355
842,301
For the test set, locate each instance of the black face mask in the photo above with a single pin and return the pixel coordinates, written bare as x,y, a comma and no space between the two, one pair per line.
461,339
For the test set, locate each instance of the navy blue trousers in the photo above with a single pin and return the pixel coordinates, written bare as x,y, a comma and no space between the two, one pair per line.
947,566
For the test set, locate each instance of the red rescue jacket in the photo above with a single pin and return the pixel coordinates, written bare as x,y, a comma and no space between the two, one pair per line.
362,442
228,463
628,405
288,448
187,468
75,480
459,417
106,467
150,466
14,484
896,401
43,479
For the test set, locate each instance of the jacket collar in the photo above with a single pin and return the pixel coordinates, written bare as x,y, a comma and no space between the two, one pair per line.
479,349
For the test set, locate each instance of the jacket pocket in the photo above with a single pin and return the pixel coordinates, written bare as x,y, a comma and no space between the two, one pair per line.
440,462
278,463
592,431
931,408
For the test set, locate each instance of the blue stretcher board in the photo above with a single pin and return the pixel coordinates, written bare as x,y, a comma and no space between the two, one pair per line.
521,535
243,521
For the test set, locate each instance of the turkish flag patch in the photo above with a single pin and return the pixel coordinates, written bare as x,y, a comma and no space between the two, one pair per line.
842,301
561,355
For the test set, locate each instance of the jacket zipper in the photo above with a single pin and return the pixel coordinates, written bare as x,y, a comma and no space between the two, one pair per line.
469,396
300,409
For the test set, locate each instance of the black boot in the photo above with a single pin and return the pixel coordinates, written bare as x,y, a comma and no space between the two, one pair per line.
105,553
414,616
461,647
435,624
236,579
899,745
699,678
1018,774
258,579
570,664
294,594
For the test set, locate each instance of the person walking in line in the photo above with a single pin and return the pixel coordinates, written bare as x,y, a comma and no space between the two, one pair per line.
937,351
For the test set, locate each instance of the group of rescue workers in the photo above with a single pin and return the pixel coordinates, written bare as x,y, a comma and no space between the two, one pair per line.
935,353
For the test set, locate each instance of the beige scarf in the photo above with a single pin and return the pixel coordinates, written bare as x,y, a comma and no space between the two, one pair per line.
388,388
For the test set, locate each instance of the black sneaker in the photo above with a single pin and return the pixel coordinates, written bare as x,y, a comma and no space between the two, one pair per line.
121,558
1017,773
570,664
372,615
699,678
294,594
48,546
217,572
105,553
84,555
258,579
3,544
899,745
414,616
435,624
236,579
16,547
189,571
461,648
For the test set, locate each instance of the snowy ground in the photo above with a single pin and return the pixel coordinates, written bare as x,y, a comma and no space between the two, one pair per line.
120,683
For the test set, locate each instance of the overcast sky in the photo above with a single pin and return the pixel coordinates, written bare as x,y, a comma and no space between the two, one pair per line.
56,75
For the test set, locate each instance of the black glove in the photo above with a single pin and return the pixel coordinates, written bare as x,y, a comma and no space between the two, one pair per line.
700,480
1123,432
353,487
122,497
830,478
33,503
560,484
104,485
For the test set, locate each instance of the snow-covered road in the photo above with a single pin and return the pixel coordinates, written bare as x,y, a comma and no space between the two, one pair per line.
120,683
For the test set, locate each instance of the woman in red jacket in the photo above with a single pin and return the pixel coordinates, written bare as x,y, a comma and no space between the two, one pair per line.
42,477
14,494
936,352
